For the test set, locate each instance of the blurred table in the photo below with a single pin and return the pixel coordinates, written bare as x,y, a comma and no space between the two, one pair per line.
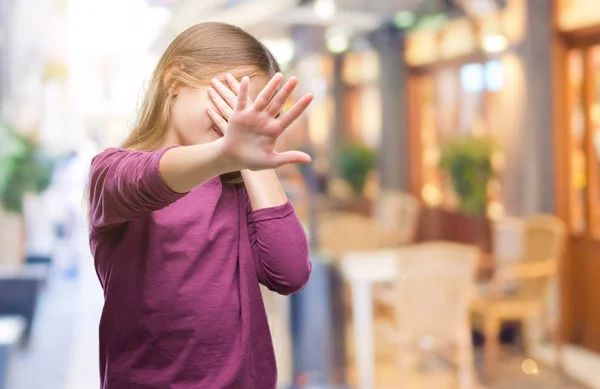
362,269
20,288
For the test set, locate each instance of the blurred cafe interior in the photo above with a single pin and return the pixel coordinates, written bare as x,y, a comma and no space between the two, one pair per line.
452,205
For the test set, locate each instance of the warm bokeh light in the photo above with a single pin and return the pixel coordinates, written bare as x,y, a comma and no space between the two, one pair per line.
431,195
529,367
495,210
495,43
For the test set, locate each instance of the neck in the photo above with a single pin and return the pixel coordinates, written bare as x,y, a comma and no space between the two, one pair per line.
170,139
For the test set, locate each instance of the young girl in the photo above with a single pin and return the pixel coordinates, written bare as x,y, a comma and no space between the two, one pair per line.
188,217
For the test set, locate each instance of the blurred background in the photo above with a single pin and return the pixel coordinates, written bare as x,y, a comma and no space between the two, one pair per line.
453,204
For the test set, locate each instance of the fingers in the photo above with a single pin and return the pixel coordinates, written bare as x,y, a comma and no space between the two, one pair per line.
217,119
294,112
227,94
291,157
244,95
234,85
265,95
223,106
282,96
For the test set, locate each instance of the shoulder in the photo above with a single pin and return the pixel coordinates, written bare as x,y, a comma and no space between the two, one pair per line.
119,162
107,156
117,153
112,153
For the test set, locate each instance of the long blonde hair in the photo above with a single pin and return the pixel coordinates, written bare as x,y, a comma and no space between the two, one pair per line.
198,54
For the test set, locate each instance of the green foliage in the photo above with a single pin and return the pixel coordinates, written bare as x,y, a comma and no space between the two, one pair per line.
355,162
23,169
468,163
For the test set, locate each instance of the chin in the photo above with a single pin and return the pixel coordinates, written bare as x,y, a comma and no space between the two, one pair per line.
206,138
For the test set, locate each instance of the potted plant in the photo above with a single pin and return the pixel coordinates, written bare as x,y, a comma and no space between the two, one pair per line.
468,163
355,162
24,169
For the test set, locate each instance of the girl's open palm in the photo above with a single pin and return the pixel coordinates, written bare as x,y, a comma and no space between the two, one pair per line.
251,128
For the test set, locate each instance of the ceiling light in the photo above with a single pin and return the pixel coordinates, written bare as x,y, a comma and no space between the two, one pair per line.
324,9
283,49
337,40
495,43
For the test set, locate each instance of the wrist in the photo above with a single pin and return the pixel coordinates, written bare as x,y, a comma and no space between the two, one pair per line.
225,164
264,188
259,174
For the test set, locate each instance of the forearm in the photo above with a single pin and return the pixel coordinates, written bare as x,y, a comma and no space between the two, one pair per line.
184,168
279,248
264,189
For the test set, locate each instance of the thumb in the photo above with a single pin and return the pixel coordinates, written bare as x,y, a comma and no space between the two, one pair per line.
288,157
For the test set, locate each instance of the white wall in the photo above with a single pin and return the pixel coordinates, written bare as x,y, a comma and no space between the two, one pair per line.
110,60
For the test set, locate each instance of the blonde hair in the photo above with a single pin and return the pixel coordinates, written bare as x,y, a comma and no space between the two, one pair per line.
197,55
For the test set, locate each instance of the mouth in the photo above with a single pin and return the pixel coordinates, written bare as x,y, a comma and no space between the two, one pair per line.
219,132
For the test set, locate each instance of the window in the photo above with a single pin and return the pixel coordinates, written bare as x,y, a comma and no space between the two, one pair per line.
454,102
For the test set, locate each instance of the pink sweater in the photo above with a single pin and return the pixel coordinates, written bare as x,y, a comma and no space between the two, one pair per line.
181,274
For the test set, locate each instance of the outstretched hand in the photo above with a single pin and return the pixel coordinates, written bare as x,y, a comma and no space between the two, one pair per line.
251,128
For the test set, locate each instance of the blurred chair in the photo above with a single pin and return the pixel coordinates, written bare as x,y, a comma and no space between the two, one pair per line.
508,236
397,214
394,223
508,240
531,275
340,192
342,232
433,292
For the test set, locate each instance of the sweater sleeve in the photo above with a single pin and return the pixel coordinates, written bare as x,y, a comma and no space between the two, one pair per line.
279,248
124,185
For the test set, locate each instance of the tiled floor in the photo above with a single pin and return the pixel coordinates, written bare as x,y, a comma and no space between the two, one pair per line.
29,367
510,376
46,359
